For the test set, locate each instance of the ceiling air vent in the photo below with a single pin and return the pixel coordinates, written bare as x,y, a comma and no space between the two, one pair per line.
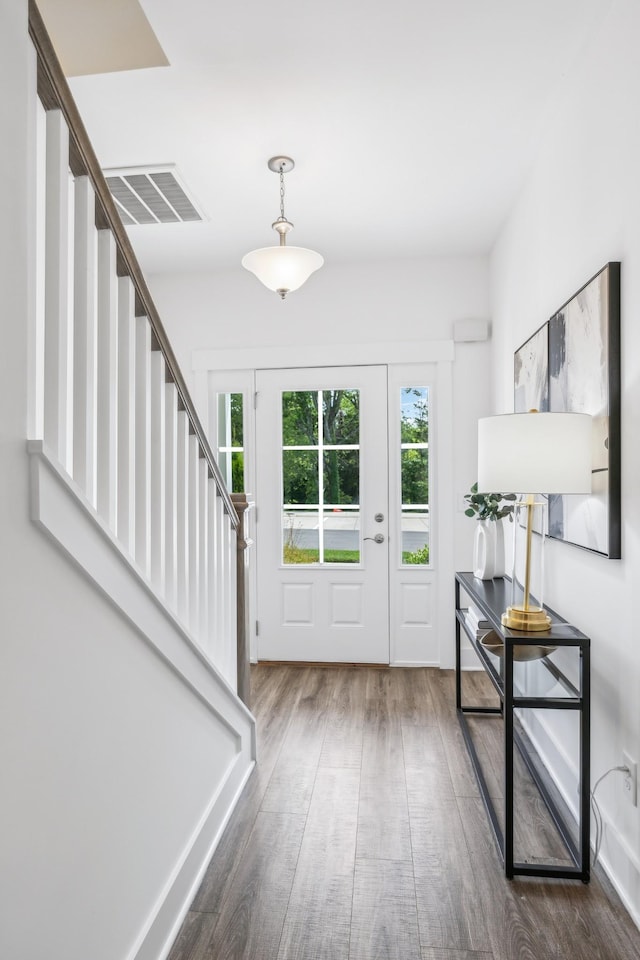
151,195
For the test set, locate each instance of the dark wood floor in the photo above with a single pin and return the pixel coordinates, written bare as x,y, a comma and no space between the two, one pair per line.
361,836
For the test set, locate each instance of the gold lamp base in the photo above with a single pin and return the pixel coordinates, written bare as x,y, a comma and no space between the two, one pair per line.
531,620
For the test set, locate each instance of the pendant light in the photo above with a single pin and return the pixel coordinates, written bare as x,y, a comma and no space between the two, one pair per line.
282,268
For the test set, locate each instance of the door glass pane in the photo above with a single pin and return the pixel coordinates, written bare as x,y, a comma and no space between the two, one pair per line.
340,417
341,477
341,536
414,474
230,440
331,453
300,536
300,477
237,431
237,472
414,420
415,536
300,418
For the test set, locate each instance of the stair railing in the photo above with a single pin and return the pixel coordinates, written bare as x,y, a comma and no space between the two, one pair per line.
112,408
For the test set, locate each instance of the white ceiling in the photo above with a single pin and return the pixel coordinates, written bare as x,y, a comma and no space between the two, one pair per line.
412,125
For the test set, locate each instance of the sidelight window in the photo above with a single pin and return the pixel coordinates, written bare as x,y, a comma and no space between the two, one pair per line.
414,474
231,440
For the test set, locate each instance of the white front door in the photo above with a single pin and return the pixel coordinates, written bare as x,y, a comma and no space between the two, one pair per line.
322,496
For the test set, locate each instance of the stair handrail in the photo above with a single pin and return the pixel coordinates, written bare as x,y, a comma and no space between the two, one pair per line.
54,93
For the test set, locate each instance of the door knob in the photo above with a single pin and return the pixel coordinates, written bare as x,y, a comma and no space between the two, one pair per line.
379,538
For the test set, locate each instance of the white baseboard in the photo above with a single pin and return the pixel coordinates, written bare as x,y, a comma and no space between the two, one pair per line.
173,904
414,663
622,867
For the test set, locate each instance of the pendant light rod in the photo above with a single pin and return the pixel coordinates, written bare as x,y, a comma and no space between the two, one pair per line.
282,165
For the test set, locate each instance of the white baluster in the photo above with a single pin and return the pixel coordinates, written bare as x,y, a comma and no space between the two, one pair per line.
203,546
182,517
58,411
220,581
143,445
158,470
194,534
126,527
230,610
107,480
213,644
171,501
36,353
85,342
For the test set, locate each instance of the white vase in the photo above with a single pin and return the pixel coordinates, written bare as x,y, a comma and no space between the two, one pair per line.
484,550
500,567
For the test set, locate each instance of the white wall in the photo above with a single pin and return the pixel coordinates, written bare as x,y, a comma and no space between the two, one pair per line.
394,299
581,208
110,764
403,300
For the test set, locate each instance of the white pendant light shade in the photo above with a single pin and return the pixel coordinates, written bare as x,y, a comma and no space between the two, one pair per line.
282,269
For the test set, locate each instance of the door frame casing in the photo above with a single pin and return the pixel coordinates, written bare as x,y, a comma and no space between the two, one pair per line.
214,366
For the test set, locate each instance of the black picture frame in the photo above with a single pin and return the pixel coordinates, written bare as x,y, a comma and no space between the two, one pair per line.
582,361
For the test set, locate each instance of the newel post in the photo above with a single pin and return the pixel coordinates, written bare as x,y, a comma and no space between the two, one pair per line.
243,506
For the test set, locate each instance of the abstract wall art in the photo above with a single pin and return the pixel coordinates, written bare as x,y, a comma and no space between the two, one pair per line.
572,364
531,373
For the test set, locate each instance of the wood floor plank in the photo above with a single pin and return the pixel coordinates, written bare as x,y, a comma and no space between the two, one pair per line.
194,937
383,816
450,911
385,923
426,768
411,695
291,783
488,738
255,904
435,954
382,748
442,686
318,919
383,819
344,730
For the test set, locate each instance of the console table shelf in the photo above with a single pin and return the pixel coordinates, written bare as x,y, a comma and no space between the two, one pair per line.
529,672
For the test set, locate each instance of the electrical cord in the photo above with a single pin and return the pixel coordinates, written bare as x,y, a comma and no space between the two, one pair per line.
597,815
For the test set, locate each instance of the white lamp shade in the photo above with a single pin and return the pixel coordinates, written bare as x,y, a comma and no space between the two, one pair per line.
282,268
535,453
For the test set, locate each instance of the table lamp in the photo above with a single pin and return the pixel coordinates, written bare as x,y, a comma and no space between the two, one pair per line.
520,452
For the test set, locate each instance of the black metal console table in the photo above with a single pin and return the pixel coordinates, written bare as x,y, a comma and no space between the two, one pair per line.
518,685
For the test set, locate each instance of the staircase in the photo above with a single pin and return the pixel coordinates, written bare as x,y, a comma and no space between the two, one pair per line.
124,661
